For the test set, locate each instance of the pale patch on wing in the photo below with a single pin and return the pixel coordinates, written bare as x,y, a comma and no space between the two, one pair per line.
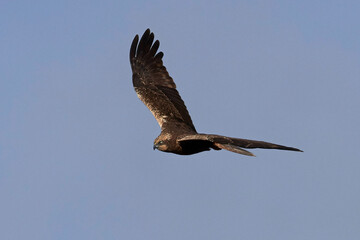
161,119
204,137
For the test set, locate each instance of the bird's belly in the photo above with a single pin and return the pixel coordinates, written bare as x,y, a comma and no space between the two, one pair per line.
194,146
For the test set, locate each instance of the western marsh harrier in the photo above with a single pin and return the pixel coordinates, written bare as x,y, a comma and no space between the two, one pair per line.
157,90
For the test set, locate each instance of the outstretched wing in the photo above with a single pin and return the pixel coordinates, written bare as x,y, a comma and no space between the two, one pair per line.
233,144
153,84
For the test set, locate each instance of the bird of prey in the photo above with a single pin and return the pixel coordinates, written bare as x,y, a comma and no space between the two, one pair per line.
157,90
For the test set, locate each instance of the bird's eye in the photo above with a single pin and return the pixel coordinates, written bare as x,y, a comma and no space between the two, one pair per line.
160,142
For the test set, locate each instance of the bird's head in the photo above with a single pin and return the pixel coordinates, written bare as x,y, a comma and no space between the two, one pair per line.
162,143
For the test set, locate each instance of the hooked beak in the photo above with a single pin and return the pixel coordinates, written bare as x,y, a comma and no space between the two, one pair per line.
155,146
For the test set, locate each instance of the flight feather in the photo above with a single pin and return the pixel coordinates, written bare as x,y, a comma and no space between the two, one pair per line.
153,84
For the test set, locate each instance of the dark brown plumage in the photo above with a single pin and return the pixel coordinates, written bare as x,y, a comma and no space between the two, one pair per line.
157,90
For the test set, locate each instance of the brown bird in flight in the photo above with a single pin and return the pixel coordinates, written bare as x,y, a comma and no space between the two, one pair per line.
157,90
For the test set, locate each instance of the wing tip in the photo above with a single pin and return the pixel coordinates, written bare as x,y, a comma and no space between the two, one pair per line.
143,46
291,149
134,46
159,55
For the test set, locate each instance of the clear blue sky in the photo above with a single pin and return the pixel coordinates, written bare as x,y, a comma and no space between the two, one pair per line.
76,157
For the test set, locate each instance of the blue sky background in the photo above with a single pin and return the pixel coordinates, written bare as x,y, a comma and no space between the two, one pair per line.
76,158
